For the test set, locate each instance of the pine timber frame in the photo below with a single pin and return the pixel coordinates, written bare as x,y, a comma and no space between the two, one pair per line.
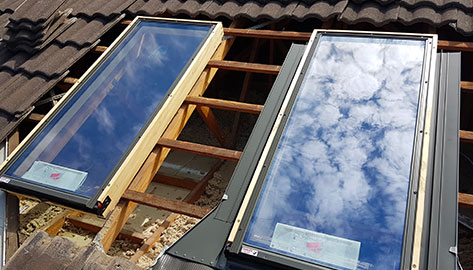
148,171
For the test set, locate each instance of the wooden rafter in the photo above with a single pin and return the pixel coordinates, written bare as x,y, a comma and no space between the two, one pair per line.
244,89
209,119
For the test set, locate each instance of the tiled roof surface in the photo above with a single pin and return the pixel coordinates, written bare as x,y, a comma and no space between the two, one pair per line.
25,77
39,48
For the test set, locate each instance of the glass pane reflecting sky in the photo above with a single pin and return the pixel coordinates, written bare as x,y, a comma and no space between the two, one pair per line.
80,147
336,191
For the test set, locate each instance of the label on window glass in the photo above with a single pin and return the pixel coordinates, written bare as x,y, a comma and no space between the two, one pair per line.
317,246
55,175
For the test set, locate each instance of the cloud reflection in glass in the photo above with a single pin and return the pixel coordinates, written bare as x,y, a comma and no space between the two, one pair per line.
343,163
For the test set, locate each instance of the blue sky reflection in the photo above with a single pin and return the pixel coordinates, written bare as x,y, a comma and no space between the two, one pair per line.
342,166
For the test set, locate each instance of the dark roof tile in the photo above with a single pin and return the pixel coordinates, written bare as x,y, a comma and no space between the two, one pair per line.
371,12
464,22
9,6
99,8
38,11
321,10
427,15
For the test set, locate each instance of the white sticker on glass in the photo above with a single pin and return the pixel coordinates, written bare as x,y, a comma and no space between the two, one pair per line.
317,246
54,175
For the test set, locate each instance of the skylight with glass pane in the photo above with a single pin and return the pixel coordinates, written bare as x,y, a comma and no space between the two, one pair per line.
336,191
82,145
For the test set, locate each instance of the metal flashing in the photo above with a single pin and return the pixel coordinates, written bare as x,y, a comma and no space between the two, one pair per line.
215,227
443,230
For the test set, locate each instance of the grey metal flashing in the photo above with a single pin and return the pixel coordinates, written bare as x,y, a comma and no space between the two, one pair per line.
170,262
214,229
442,240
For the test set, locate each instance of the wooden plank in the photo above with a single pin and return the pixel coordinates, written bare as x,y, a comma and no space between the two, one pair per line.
13,141
225,104
125,22
244,66
200,149
35,117
305,36
165,204
12,241
69,80
465,200
99,49
117,219
466,87
209,119
455,45
134,237
269,34
466,136
176,182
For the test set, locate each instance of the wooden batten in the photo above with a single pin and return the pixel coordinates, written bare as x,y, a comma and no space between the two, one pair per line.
466,87
165,204
244,66
466,136
465,200
225,104
200,149
269,34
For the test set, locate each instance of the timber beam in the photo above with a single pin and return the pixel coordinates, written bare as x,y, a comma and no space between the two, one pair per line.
225,104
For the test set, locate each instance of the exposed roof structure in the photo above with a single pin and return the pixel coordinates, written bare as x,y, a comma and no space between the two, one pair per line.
47,42
43,39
